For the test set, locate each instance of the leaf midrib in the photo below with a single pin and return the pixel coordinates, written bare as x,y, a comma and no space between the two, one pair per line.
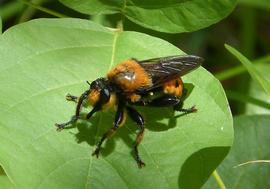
100,118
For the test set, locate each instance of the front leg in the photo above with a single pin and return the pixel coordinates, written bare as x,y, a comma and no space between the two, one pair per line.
75,117
72,98
119,119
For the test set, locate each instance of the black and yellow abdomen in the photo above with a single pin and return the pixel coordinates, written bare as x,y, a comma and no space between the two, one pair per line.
174,87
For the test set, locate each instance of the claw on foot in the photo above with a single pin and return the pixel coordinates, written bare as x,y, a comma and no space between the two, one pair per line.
140,163
59,127
70,97
96,152
189,110
192,109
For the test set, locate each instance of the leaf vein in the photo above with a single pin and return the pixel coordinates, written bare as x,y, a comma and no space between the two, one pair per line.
113,50
58,167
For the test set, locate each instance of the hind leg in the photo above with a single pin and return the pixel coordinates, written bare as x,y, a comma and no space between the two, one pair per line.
169,100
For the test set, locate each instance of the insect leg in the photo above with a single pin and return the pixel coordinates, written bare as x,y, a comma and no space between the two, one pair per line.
169,100
95,109
75,99
70,97
179,107
119,118
77,113
103,99
135,116
163,101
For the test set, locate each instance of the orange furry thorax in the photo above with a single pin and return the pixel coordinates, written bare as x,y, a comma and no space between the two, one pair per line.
130,76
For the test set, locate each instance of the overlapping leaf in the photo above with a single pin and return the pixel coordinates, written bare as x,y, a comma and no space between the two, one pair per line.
255,74
251,143
43,60
173,16
263,4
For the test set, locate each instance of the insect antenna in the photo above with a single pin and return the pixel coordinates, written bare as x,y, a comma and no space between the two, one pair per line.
88,83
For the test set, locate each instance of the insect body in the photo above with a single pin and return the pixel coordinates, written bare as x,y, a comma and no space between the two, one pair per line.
154,82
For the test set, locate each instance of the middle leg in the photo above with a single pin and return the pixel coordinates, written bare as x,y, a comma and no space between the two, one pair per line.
119,118
135,116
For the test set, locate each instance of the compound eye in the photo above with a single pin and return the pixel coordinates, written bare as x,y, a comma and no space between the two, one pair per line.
104,95
94,85
98,84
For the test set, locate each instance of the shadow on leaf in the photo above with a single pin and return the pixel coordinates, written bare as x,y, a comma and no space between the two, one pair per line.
199,166
157,119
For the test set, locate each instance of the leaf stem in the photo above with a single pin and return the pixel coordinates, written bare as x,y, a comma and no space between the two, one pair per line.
248,30
43,9
30,11
120,24
252,162
218,180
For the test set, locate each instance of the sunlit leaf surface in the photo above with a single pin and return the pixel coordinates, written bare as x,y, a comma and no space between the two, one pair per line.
43,60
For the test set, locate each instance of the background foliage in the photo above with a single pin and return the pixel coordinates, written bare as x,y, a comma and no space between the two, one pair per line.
56,56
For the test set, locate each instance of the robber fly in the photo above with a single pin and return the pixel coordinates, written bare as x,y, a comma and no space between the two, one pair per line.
154,82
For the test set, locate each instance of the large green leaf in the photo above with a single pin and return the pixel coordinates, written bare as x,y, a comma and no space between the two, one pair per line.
251,143
43,60
255,74
173,16
263,4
